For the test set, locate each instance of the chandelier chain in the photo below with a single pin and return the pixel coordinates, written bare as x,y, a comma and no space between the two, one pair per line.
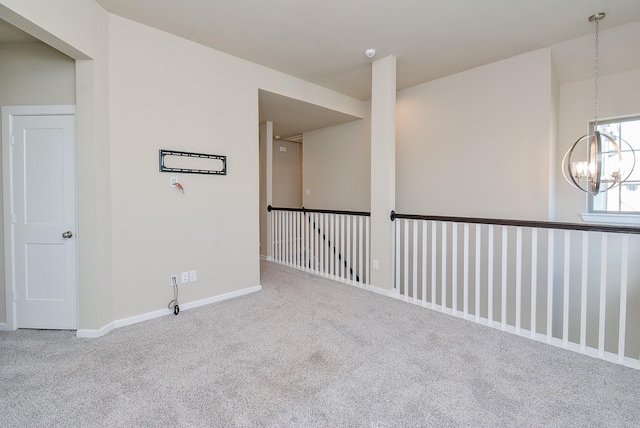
596,75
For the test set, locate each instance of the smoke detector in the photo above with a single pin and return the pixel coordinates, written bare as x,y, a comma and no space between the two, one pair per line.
370,53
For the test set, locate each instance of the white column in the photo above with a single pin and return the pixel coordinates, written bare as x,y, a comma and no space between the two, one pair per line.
383,168
266,188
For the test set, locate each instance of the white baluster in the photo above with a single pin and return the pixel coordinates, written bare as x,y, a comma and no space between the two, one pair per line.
308,241
288,237
503,308
550,269
332,245
300,223
342,257
360,251
465,277
284,237
280,236
477,259
622,333
424,262
603,295
490,251
534,280
415,261
397,253
454,268
444,266
274,234
313,241
367,247
321,242
518,279
567,285
296,238
349,245
354,264
325,243
583,292
292,237
335,245
405,225
434,233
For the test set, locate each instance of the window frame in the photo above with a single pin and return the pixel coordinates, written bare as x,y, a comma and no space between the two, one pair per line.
606,216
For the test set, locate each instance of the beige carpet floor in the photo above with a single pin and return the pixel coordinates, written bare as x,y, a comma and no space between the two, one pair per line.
307,352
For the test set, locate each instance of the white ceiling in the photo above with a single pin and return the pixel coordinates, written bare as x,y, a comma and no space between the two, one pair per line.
293,117
322,41
619,51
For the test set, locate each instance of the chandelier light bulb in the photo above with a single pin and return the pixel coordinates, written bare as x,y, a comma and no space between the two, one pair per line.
600,171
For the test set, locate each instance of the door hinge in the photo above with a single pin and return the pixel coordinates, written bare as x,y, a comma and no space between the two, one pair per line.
12,140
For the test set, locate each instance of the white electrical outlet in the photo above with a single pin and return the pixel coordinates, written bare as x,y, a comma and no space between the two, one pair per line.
193,275
173,182
184,277
173,277
376,265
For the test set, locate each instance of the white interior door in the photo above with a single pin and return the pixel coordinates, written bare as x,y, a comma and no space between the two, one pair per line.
43,220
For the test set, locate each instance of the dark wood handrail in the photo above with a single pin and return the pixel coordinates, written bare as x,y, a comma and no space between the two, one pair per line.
522,223
311,210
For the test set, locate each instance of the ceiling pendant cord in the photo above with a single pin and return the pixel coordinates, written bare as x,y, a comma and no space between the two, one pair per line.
596,145
596,18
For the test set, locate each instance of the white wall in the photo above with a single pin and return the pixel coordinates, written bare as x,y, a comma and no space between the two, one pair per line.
35,74
169,93
32,74
79,29
163,92
336,167
477,143
287,174
485,142
266,183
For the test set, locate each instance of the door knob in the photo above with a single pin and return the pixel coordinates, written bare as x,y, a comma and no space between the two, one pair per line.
67,234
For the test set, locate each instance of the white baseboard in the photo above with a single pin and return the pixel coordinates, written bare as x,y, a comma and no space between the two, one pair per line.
220,297
385,292
5,327
88,333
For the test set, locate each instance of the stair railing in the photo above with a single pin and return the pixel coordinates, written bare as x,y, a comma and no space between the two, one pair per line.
571,285
330,243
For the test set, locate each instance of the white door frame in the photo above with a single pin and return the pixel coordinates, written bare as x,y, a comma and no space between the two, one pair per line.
7,188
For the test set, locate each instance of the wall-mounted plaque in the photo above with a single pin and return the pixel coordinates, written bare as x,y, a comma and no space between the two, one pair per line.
192,163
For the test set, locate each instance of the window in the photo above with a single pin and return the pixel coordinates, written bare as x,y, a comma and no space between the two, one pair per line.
626,197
